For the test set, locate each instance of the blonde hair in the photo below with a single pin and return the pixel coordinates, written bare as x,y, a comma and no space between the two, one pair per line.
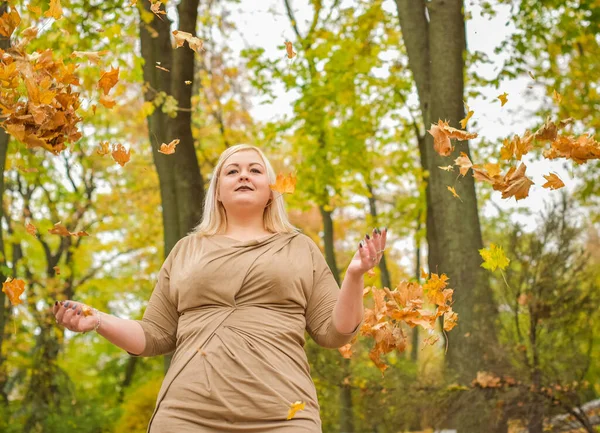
214,218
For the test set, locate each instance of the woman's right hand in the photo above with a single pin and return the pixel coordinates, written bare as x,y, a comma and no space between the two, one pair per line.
71,315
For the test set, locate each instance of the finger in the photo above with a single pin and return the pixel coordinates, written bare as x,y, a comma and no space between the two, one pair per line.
372,250
363,251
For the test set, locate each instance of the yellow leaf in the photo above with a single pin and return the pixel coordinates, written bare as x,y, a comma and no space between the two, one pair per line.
463,122
55,10
14,289
493,257
295,407
556,96
107,101
453,191
108,80
9,21
503,98
553,181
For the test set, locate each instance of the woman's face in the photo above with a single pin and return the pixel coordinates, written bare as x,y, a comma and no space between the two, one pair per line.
244,182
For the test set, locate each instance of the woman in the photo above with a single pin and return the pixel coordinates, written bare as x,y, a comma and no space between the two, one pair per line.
232,301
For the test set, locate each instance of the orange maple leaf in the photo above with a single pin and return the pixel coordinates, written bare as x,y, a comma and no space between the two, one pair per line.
155,8
580,149
194,42
346,351
443,132
169,149
55,10
516,184
549,130
289,50
9,21
553,181
464,163
61,230
14,289
284,184
35,10
453,191
120,154
108,80
31,229
107,101
92,56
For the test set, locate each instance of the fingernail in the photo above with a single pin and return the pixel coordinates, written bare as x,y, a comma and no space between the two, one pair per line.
360,244
55,303
378,231
368,237
74,307
79,312
385,229
66,304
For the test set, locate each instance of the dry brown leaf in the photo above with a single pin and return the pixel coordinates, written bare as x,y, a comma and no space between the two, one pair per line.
289,50
92,56
169,149
553,181
107,101
14,289
516,184
194,42
31,229
108,80
464,163
447,168
9,21
120,154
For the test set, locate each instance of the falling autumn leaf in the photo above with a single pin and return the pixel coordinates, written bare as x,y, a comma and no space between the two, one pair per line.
284,184
447,168
107,101
443,132
162,69
87,311
120,154
556,96
503,98
289,50
92,56
194,42
295,407
155,8
515,183
104,148
35,10
14,289
31,229
531,74
553,181
493,258
464,163
132,2
9,21
55,10
580,149
486,380
169,149
188,82
57,270
346,351
453,191
61,230
463,122
108,80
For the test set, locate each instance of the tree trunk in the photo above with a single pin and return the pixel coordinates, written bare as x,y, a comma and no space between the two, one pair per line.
346,409
4,305
435,50
181,183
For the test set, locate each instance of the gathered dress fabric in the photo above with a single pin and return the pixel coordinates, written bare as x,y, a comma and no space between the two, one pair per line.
234,314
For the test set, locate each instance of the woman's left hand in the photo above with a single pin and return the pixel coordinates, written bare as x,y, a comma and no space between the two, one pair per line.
369,253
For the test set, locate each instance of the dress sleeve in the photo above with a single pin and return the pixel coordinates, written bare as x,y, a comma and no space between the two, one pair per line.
160,319
319,311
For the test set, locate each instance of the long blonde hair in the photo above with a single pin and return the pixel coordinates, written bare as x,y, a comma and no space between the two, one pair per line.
214,218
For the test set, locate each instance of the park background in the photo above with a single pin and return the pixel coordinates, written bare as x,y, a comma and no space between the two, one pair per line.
348,115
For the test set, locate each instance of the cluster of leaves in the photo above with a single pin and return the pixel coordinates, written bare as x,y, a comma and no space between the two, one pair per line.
404,304
515,183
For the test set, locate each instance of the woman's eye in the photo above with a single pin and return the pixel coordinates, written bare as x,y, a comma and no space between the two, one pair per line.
232,171
256,170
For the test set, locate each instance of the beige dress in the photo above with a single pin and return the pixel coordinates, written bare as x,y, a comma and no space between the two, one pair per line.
235,314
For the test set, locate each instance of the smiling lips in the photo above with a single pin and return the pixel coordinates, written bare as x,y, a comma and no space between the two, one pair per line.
244,188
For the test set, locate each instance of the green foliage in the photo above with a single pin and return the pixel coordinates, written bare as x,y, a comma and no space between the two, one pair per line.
138,407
